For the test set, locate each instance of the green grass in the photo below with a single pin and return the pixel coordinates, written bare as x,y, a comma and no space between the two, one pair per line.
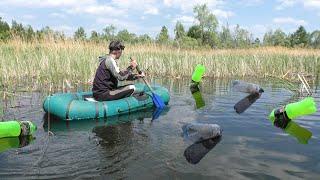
45,64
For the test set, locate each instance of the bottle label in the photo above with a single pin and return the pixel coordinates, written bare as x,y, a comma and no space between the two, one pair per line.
25,128
281,118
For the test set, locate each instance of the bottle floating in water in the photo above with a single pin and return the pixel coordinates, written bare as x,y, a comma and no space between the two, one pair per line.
198,73
16,128
282,116
246,87
198,150
195,91
197,132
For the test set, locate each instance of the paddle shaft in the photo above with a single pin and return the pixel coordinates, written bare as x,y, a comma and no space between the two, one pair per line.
139,71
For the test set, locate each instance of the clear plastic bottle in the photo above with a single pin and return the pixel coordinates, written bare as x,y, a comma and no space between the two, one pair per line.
246,87
197,132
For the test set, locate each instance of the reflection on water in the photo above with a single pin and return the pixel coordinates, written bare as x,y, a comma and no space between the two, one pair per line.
198,150
88,124
135,146
300,133
14,142
196,94
246,102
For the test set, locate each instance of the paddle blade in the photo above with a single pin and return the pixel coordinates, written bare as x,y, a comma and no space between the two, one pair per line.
157,101
156,113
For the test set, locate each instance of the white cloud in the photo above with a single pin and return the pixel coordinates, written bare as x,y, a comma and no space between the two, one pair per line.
187,5
285,4
187,20
250,2
28,17
309,4
96,10
289,20
57,15
152,10
47,3
222,14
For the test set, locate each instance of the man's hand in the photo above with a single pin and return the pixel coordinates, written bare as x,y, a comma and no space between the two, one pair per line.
142,75
133,63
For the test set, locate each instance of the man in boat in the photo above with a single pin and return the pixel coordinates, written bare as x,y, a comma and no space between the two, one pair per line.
105,83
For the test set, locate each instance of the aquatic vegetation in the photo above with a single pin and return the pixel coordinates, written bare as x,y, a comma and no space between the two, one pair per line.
55,63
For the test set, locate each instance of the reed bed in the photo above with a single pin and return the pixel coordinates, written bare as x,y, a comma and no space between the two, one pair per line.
54,63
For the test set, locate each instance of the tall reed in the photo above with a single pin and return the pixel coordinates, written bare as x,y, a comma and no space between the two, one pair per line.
36,64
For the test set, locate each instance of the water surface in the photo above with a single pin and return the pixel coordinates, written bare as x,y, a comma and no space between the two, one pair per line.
135,146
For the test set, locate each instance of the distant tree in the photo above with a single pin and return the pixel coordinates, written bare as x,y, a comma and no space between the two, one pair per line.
299,38
4,30
195,32
268,38
163,36
179,31
242,37
126,36
109,32
279,38
79,34
211,39
94,36
314,39
207,22
257,41
145,38
29,33
189,42
17,30
226,37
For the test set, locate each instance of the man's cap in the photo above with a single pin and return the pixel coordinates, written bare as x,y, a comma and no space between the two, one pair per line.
116,45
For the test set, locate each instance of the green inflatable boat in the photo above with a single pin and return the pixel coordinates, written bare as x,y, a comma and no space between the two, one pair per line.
81,105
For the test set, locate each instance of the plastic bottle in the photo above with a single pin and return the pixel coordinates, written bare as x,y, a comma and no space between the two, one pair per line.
16,128
198,73
197,132
292,111
246,87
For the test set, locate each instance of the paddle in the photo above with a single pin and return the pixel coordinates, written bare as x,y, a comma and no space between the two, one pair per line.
157,101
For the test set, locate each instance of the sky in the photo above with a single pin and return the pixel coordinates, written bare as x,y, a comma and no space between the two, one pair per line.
148,16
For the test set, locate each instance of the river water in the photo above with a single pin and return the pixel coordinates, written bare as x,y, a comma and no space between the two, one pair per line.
136,146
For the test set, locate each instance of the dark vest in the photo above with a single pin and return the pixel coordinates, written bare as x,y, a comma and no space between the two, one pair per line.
103,80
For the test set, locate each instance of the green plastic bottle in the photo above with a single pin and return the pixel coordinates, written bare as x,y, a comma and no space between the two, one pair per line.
16,128
198,73
293,110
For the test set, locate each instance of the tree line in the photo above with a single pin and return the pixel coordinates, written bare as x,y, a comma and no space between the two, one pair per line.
202,34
